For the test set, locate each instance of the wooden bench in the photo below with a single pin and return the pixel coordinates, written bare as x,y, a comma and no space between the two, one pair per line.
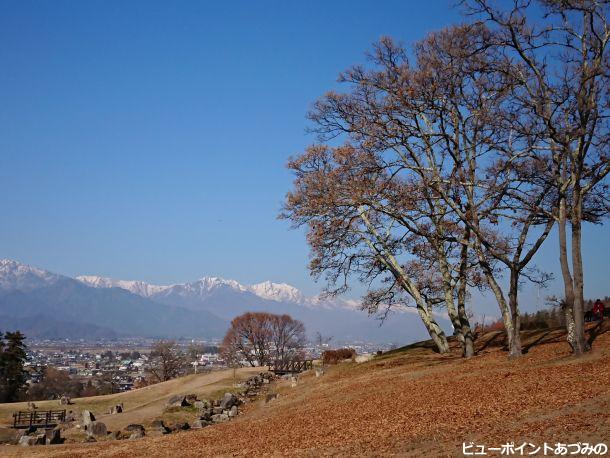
38,418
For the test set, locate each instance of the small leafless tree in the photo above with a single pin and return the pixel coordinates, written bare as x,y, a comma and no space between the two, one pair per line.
166,362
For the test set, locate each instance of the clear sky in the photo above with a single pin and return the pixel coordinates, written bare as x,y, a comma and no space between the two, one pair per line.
147,140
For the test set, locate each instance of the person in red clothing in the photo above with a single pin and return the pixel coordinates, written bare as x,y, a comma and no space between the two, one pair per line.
598,310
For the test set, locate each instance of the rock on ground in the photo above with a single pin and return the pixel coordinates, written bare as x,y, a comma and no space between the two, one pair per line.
88,417
97,429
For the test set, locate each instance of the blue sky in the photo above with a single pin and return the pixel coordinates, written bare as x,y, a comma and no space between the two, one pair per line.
147,140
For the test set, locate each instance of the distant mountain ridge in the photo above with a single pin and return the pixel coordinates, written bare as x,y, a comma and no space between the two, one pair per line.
14,275
279,292
33,297
100,306
205,286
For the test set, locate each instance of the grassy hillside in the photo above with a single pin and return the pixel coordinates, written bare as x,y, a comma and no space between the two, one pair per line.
411,402
142,405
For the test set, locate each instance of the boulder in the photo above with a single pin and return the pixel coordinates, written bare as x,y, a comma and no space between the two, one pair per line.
201,405
178,400
198,424
217,410
191,398
159,426
228,401
90,439
233,412
28,441
116,409
53,436
88,418
135,431
135,427
182,426
220,418
97,429
137,434
363,358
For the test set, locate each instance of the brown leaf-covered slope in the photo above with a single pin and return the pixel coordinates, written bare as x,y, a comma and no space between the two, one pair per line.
410,403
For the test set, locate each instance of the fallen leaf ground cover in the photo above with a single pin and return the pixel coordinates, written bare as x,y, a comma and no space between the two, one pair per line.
412,402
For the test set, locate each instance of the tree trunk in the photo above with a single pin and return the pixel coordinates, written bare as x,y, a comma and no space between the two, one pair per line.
436,333
449,302
514,340
568,283
466,332
579,322
434,330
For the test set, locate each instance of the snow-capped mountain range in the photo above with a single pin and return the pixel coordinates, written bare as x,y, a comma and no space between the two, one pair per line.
278,292
49,305
137,287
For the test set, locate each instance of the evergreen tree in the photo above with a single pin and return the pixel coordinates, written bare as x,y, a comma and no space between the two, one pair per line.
12,360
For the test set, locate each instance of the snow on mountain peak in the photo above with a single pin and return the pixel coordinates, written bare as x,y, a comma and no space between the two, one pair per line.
279,292
15,275
210,283
134,286
203,287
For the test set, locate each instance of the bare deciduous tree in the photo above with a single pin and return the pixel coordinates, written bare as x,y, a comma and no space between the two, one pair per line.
445,125
348,201
288,337
166,361
561,66
258,338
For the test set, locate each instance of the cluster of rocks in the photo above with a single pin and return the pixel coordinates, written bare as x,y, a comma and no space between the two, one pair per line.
33,436
253,385
208,413
226,408
219,411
